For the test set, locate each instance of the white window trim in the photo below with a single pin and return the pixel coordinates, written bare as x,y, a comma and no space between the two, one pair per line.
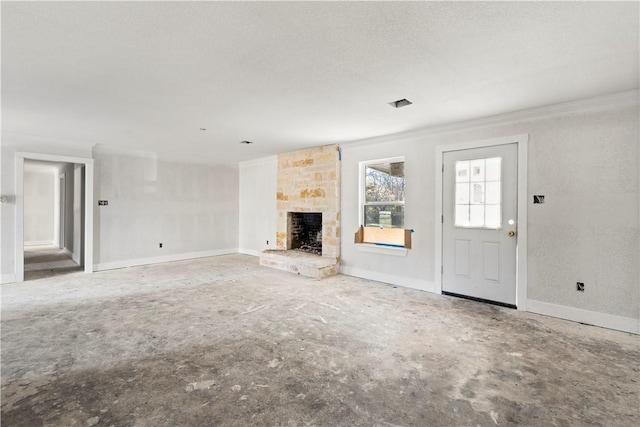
361,182
378,249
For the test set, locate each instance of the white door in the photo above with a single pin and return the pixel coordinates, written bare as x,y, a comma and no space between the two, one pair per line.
479,223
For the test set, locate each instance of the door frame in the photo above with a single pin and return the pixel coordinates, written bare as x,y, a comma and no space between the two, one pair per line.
88,205
522,142
62,184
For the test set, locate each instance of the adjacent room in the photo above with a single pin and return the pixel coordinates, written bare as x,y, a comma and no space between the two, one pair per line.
320,213
53,211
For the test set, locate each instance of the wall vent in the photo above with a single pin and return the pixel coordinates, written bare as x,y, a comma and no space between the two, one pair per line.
400,103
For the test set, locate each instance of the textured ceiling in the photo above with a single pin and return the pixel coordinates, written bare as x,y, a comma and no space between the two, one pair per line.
289,75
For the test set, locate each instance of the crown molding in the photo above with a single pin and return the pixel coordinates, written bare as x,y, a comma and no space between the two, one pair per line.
10,138
125,151
599,103
158,156
260,161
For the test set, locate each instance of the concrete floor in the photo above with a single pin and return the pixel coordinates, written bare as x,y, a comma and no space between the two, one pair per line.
223,341
47,261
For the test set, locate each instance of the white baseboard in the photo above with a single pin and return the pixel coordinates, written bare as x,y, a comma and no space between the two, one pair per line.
249,252
604,320
75,257
165,258
7,278
67,252
406,282
40,243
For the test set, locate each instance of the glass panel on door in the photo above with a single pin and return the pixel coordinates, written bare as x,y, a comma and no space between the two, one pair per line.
478,196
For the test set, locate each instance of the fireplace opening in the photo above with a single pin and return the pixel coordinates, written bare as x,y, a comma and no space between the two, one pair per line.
305,232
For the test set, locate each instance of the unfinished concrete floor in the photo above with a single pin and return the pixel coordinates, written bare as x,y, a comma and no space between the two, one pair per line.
47,261
223,341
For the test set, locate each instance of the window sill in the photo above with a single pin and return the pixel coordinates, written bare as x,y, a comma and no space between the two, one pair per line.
380,249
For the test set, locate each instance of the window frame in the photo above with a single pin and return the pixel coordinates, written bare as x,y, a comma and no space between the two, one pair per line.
362,202
484,201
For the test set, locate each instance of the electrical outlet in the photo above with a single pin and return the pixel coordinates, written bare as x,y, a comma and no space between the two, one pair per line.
160,245
579,286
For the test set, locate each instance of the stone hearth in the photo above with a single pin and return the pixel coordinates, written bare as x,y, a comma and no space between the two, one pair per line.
302,263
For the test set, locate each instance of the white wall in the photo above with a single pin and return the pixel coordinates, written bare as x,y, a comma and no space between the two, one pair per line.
586,164
191,209
416,268
584,157
39,204
258,212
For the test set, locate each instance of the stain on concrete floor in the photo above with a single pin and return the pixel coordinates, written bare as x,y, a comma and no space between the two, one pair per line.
223,341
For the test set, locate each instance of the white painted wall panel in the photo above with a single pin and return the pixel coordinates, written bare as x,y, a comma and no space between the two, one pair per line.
39,201
258,213
188,208
417,267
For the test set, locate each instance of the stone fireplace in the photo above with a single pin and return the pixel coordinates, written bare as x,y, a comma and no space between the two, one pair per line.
308,194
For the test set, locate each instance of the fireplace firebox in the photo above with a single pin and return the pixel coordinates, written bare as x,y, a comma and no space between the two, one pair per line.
305,231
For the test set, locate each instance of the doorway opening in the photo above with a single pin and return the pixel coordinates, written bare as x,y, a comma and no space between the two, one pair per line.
54,224
53,218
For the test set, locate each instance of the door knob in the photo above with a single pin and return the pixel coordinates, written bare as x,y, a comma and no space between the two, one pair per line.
511,233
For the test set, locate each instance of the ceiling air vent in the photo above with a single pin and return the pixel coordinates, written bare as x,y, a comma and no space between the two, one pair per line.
400,103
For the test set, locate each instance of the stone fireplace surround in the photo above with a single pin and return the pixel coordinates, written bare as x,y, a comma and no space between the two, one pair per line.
308,181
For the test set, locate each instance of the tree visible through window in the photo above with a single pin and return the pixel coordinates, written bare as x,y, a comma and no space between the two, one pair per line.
384,194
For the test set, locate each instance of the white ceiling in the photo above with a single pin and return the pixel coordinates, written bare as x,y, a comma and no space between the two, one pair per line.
289,75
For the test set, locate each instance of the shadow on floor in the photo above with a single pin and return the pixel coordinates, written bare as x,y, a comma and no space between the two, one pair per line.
47,261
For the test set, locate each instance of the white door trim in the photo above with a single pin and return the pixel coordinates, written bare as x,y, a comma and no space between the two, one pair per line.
62,184
521,249
88,200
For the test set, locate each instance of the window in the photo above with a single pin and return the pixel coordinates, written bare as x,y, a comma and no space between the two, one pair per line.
479,193
382,193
